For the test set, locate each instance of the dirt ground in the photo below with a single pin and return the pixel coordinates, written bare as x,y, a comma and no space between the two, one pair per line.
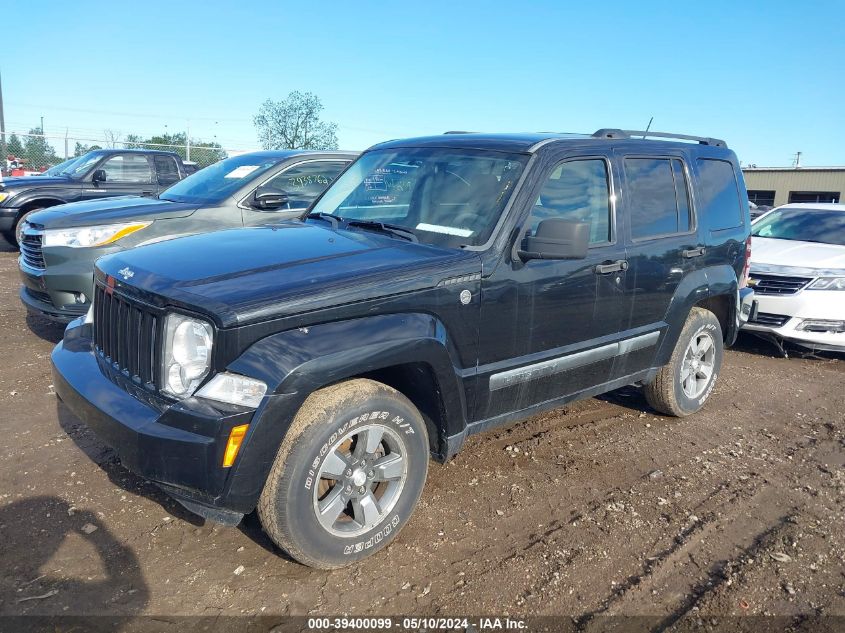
599,508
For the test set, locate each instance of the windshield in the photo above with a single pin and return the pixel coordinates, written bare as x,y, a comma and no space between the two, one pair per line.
446,197
61,168
220,180
804,225
83,164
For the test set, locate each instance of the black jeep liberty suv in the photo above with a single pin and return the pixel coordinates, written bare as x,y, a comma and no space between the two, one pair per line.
439,287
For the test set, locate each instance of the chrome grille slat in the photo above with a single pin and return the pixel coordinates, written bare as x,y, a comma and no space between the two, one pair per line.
778,284
31,251
771,320
125,336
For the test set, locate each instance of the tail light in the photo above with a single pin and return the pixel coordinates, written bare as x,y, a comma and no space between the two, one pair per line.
743,280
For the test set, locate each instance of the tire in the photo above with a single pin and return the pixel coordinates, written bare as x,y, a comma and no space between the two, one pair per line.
325,466
15,238
677,394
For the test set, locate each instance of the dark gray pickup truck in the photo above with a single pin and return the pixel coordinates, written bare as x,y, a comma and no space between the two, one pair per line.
103,173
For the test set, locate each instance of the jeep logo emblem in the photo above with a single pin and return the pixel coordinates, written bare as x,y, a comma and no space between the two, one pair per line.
127,273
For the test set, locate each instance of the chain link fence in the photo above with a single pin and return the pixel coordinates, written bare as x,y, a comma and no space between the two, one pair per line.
33,154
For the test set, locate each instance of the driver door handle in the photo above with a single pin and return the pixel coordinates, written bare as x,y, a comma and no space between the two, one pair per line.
613,267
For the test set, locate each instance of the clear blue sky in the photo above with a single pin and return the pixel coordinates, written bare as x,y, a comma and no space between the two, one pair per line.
767,76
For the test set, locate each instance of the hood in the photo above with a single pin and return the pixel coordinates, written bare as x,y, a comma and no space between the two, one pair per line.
796,258
241,276
109,211
25,182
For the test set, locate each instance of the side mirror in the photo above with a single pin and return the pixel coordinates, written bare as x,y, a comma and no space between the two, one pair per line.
269,198
99,175
557,239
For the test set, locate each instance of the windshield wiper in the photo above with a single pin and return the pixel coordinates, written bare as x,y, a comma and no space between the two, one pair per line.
332,219
398,231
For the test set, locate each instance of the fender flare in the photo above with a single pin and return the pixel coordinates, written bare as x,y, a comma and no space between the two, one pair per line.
297,362
700,285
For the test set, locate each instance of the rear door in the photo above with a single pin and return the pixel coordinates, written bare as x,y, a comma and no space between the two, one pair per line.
662,244
166,171
303,182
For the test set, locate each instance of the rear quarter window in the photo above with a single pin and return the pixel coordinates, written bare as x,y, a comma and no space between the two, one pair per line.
721,207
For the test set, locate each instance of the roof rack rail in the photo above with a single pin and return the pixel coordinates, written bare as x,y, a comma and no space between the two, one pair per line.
458,132
613,133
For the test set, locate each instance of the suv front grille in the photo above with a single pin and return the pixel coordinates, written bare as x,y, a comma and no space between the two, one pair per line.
126,336
770,320
31,251
777,284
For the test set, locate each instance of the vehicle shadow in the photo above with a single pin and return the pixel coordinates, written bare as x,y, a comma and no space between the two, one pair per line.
33,583
107,460
45,329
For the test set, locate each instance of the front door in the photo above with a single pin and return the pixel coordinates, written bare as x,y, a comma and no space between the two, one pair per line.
126,175
303,182
549,327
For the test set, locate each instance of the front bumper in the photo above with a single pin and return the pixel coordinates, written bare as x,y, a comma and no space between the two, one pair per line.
178,445
8,215
782,315
53,291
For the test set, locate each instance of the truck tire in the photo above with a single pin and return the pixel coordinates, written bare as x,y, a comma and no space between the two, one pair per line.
683,385
347,476
16,236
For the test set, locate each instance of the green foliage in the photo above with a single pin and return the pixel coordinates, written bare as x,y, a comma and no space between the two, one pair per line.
202,153
37,151
294,123
14,146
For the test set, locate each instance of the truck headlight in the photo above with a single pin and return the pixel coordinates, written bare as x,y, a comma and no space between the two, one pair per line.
828,283
187,354
234,389
86,236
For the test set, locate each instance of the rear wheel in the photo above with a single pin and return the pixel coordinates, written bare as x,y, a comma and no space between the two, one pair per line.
347,476
683,385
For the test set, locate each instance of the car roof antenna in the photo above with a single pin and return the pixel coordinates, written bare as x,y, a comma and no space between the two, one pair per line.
648,127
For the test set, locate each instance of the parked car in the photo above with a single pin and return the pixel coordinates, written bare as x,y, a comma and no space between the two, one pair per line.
99,174
439,287
59,245
798,274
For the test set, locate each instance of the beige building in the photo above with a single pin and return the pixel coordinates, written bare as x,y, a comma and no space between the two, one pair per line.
773,186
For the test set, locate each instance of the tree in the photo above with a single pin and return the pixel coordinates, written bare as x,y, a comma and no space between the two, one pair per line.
294,123
14,147
112,138
37,151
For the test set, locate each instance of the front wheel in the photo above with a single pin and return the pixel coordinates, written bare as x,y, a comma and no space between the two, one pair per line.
18,235
683,385
347,476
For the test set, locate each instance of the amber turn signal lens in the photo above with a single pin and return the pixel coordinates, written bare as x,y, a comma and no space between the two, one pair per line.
236,438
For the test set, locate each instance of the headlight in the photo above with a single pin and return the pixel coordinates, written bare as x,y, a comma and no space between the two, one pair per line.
3,196
828,283
234,389
187,354
91,235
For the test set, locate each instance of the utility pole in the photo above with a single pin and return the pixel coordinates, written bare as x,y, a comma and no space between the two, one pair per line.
2,131
42,126
66,131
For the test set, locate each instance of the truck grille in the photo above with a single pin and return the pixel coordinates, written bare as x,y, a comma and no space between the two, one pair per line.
770,320
31,251
126,335
778,285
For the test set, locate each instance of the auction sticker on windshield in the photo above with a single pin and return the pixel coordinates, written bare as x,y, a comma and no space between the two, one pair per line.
240,172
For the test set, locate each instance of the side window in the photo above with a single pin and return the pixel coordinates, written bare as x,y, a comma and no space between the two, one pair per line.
167,170
657,197
577,190
128,168
720,201
306,181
